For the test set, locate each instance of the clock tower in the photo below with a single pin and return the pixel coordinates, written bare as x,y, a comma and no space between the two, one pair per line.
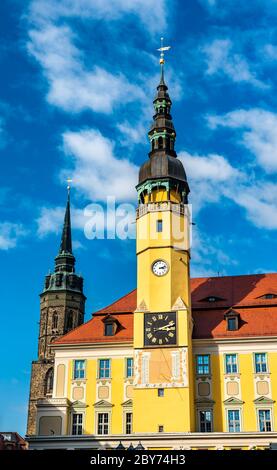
163,385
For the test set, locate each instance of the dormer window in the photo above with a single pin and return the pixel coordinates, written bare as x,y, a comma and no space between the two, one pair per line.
232,319
109,329
232,324
268,296
212,298
111,325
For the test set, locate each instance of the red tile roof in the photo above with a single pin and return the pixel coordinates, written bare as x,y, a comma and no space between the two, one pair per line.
258,316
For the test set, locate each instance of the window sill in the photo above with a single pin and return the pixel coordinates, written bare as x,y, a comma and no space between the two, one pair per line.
232,375
261,374
77,381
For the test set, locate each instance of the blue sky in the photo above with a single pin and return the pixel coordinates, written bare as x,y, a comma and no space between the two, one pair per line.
77,82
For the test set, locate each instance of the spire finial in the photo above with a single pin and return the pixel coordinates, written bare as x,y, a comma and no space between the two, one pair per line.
69,180
162,50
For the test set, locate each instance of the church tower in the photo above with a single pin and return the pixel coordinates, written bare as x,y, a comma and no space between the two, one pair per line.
62,307
163,386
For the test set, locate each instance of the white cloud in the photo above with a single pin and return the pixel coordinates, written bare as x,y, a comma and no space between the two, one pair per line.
260,203
97,172
50,220
10,234
208,177
258,129
212,178
222,59
151,13
72,87
132,133
211,167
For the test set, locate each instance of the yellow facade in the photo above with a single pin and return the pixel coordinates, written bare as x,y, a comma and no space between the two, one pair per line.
171,411
182,392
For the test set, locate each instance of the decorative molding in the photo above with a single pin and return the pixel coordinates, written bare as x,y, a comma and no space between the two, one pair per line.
179,304
263,401
127,404
142,307
233,401
78,404
103,404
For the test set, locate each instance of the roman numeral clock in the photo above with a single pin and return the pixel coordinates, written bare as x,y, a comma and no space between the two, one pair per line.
160,329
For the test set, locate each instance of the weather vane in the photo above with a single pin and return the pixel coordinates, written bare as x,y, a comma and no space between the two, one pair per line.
162,50
69,180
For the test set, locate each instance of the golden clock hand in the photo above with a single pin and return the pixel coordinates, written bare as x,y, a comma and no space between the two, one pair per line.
165,327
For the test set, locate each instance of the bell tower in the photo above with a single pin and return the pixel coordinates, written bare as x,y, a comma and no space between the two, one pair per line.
62,308
163,386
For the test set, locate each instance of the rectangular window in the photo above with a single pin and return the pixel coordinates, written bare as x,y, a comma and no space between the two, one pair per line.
159,225
160,392
205,420
129,367
260,363
203,364
104,369
160,428
109,329
77,424
79,369
103,423
231,363
234,420
264,420
232,324
129,423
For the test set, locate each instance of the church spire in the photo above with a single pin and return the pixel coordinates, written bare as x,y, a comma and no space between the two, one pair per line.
66,240
65,261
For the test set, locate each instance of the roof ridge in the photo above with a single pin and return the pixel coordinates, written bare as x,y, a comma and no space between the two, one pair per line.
115,302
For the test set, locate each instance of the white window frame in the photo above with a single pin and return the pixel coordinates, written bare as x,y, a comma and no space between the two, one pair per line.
265,408
98,368
126,368
125,421
235,408
85,369
225,363
77,412
98,412
266,362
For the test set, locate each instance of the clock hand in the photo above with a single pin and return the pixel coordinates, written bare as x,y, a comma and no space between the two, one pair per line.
165,327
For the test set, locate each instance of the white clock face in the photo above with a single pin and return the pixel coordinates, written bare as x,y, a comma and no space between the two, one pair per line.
160,267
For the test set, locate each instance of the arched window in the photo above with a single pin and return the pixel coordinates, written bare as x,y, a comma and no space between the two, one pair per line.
55,321
49,379
160,143
153,143
69,321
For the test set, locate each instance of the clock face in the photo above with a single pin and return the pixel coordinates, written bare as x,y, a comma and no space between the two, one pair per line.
160,329
160,267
